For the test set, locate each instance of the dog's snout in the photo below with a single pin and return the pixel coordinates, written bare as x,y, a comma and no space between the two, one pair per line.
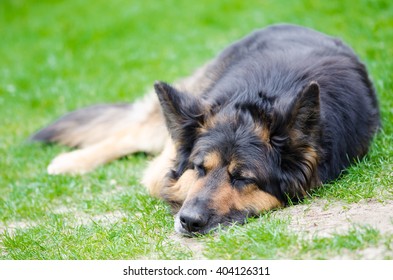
193,222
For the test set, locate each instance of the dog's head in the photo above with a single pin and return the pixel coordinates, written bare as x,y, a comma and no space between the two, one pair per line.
237,159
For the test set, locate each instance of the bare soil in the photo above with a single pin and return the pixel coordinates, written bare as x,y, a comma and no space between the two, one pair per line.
323,218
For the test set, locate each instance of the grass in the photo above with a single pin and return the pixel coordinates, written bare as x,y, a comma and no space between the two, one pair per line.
60,55
269,238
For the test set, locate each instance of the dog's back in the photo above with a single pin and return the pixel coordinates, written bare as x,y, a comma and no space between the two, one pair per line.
275,63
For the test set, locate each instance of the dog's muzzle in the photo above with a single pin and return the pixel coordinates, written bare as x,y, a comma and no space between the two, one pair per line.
191,222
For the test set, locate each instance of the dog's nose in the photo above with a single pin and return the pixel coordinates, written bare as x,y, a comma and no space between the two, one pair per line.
192,222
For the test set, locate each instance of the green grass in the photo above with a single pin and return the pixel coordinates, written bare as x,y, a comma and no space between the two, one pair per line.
56,56
269,238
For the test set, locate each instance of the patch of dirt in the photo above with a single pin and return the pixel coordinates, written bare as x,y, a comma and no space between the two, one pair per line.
324,218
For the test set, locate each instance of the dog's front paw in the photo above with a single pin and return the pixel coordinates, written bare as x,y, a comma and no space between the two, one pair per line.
75,162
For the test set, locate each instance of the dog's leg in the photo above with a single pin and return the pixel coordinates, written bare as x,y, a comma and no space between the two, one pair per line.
143,130
154,175
137,138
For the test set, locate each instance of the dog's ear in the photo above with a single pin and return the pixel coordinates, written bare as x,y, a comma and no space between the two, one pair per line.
182,112
299,144
298,118
306,110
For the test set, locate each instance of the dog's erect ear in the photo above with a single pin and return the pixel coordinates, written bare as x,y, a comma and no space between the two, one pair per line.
299,118
300,156
306,109
182,112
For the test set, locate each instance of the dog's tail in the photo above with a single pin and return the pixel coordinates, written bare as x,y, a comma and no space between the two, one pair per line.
85,126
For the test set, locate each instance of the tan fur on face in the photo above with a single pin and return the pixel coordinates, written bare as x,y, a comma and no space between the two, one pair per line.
181,189
264,133
211,161
252,198
209,123
232,166
248,198
244,172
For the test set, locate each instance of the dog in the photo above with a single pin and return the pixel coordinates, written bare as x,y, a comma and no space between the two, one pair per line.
272,117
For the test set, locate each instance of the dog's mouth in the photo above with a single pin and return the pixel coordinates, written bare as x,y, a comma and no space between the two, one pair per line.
195,228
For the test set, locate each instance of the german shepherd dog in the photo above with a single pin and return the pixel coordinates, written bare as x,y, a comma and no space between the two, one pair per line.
273,116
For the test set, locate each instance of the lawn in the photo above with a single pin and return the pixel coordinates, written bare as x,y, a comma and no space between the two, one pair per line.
56,56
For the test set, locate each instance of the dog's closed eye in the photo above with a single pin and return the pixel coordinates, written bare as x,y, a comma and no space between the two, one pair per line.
200,169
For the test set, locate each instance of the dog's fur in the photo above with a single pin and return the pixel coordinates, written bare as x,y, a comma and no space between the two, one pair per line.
273,116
